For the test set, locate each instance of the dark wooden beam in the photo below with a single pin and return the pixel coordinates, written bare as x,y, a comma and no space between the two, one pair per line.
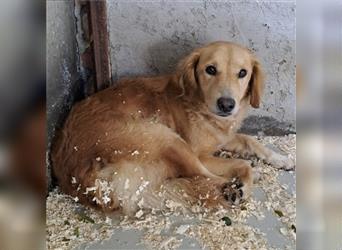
100,43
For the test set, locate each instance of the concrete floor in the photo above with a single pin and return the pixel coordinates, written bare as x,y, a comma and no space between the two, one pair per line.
269,225
256,226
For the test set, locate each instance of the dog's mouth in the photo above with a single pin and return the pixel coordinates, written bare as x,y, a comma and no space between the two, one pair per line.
226,114
223,114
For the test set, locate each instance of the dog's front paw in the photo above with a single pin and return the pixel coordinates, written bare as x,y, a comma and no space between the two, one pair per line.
281,161
235,191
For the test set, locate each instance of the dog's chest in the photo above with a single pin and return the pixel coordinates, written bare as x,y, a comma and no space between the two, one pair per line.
210,137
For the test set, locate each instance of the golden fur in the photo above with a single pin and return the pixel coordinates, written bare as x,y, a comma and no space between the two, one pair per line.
145,133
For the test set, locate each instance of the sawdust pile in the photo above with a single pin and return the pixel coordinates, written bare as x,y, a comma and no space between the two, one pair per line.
69,224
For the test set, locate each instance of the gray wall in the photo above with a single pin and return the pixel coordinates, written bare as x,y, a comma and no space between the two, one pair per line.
61,60
61,65
150,37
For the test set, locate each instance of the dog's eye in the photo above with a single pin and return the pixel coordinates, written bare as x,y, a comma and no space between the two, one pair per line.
242,73
211,70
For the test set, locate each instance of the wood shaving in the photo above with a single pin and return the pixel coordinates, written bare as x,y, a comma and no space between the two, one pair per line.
182,229
135,152
139,214
73,180
65,230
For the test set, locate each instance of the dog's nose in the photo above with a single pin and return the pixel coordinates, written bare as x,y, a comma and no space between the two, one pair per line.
225,105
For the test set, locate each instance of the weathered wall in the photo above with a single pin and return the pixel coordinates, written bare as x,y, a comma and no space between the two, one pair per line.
61,64
61,60
150,37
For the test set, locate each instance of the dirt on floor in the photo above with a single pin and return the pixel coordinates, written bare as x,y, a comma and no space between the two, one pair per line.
71,225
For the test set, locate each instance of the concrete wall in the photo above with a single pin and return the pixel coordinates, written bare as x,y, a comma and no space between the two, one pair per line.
61,64
150,37
61,60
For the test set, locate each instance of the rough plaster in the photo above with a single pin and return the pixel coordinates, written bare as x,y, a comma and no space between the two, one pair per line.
150,37
61,60
61,64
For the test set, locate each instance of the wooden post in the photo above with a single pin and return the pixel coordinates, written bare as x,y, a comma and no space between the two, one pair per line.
98,22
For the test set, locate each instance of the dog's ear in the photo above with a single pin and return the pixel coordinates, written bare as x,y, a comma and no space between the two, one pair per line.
256,85
186,72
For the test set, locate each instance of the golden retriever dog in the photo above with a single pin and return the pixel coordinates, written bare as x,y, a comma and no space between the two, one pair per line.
127,142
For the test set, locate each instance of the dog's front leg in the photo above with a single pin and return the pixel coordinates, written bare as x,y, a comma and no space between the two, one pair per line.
248,146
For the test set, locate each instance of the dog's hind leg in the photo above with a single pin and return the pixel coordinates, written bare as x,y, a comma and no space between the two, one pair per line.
134,174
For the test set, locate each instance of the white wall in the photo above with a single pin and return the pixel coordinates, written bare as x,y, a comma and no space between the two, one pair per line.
150,37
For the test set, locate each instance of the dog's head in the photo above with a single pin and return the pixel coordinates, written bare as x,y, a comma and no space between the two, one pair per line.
222,74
